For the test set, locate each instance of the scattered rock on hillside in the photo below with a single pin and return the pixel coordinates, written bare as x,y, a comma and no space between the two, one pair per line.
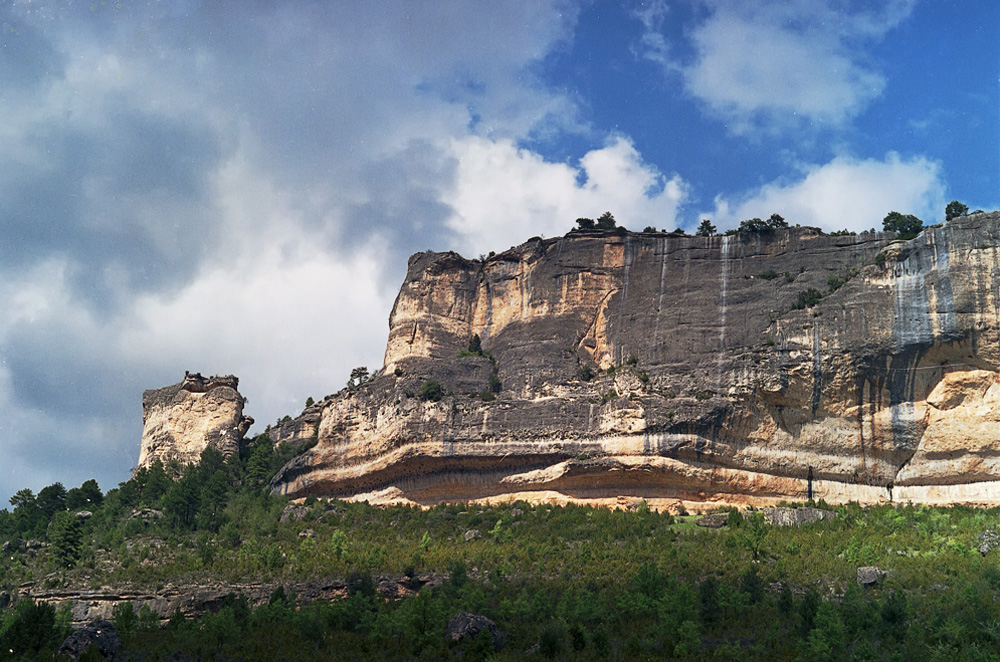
795,516
468,626
988,540
294,512
870,575
473,534
146,514
101,634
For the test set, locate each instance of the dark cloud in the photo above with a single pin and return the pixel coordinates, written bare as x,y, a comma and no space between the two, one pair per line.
201,185
131,196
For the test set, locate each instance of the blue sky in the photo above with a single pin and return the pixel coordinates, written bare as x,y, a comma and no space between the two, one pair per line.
235,187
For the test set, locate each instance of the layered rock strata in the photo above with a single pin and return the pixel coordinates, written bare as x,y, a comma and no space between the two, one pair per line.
182,420
751,367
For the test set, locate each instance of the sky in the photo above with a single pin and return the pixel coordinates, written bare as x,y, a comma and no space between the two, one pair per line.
236,187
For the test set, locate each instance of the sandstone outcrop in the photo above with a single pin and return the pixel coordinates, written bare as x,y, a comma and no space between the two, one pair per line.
682,369
180,421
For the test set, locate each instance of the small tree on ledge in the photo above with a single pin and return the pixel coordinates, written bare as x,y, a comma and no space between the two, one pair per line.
606,221
955,209
706,229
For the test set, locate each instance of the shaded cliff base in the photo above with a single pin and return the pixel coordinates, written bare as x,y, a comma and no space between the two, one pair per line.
663,484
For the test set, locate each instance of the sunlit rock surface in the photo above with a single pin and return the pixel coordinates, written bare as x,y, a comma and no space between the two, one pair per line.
710,383
180,421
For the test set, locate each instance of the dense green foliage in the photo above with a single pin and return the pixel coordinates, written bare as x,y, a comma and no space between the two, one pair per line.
907,225
954,209
807,299
756,225
580,582
606,221
706,228
431,390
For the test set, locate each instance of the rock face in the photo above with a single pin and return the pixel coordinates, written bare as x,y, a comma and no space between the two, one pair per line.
182,420
672,368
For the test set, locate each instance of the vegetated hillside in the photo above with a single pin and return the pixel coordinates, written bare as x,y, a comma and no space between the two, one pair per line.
779,363
337,579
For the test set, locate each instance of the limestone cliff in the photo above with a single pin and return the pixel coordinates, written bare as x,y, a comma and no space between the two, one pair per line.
180,421
716,374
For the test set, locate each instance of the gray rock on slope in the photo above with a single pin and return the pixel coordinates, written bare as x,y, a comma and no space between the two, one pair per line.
101,634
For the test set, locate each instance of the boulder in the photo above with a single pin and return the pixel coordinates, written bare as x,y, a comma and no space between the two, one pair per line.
101,634
870,575
473,534
713,520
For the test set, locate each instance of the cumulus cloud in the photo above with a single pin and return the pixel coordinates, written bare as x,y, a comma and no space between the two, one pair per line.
846,193
503,194
229,189
776,63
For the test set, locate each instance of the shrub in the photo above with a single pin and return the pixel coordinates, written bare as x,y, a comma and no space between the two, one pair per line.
585,373
807,299
431,390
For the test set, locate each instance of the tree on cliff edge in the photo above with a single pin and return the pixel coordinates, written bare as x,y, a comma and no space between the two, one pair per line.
954,210
606,221
907,226
706,229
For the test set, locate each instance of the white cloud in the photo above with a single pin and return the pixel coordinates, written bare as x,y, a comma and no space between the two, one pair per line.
773,63
231,190
855,194
290,326
503,195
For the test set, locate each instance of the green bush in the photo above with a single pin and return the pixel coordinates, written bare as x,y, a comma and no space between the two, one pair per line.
807,299
431,391
906,226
